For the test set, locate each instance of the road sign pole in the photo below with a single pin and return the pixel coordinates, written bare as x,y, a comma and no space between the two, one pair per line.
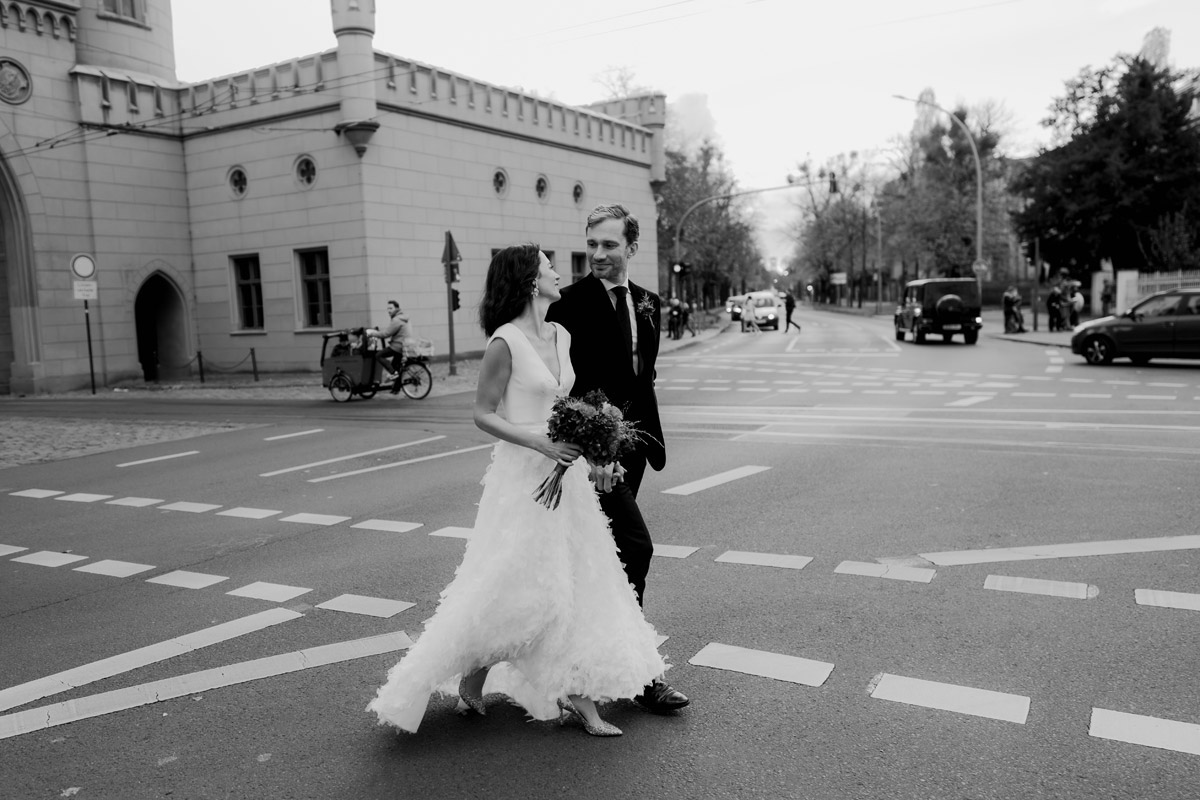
87,322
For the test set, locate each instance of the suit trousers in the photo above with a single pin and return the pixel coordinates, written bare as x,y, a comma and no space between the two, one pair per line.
628,528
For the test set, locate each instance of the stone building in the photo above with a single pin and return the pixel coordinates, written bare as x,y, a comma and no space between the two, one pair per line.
262,209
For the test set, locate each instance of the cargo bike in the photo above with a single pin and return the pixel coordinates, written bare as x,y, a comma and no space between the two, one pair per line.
350,367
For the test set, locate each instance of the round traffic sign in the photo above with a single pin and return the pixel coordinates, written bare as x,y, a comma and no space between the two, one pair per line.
83,265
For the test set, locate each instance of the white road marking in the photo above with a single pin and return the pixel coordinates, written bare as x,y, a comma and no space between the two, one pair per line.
390,526
314,519
191,508
114,569
673,550
122,699
951,697
187,580
49,558
715,480
159,458
1034,394
143,656
899,573
1068,589
274,592
135,502
763,559
1165,734
370,606
714,388
37,494
1164,599
248,513
8,549
349,457
1150,397
395,464
292,435
1054,369
453,533
1091,396
970,401
952,558
760,662
928,392
83,497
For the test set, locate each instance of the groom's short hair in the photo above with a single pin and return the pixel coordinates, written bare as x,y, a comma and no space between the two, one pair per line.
615,211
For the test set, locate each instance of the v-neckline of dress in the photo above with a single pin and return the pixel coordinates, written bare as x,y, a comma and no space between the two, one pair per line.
542,361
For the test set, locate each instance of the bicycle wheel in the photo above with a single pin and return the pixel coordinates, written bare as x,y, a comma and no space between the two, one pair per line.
340,388
415,380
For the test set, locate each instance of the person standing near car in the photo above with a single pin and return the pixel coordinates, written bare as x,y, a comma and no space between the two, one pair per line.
750,316
391,336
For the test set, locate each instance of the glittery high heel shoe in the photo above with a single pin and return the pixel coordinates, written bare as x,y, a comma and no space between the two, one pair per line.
569,710
472,701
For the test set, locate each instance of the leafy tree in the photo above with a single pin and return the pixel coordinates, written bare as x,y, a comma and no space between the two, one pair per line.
1123,182
717,238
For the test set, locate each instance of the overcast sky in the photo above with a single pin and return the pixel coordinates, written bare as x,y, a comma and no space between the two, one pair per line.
784,79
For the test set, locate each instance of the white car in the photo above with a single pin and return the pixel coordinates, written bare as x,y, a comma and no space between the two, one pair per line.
768,309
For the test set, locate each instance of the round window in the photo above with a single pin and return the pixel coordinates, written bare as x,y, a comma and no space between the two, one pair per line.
238,181
577,193
542,187
306,171
500,182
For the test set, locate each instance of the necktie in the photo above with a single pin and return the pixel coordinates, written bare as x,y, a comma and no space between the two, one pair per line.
623,320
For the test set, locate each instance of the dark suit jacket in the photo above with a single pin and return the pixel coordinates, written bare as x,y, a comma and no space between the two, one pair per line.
599,360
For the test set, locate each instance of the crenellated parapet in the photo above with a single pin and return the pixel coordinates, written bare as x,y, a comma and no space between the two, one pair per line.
122,98
40,17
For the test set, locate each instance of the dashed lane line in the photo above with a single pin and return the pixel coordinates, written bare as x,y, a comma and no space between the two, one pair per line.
293,435
159,458
763,663
1164,734
393,465
952,558
970,401
37,719
143,656
1164,599
715,480
349,457
951,697
891,571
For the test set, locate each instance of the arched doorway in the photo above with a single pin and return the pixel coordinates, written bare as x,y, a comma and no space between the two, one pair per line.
161,330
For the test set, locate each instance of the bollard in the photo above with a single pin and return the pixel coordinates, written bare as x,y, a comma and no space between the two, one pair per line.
200,361
254,364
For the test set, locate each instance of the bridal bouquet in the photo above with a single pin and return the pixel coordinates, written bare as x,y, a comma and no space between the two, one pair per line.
594,424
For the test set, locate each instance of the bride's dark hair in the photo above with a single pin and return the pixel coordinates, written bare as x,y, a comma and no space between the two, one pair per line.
510,280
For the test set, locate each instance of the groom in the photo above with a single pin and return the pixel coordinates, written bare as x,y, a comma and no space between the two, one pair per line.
615,327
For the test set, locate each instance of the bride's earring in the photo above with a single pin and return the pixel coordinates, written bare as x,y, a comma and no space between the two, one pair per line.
535,290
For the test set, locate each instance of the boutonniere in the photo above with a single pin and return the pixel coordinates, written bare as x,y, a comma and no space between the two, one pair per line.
645,307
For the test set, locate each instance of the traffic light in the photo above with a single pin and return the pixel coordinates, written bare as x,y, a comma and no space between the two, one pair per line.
454,300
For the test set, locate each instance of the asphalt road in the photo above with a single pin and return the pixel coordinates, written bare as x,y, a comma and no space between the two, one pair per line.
924,619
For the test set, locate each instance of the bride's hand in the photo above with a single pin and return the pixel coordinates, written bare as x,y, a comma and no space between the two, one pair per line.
564,453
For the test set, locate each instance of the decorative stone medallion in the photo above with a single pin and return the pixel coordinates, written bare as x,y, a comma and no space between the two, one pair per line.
15,83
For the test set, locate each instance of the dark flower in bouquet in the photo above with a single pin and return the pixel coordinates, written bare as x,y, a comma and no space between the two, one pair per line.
597,426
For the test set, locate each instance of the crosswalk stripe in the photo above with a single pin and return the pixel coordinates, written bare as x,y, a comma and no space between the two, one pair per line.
763,663
314,519
248,513
951,697
673,550
1067,589
1163,599
206,680
1164,734
114,569
143,656
49,558
37,494
387,525
892,571
83,497
184,579
370,606
191,508
1076,549
134,502
763,559
9,549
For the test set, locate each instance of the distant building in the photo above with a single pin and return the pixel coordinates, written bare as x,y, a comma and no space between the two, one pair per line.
262,209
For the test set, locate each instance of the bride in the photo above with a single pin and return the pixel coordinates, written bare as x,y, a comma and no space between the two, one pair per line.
539,592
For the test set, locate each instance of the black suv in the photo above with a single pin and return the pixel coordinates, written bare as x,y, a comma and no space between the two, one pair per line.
943,306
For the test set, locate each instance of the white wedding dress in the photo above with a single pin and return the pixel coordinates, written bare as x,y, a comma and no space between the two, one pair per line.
540,590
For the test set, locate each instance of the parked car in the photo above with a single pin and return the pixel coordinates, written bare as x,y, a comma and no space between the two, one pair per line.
768,309
1164,325
733,305
945,306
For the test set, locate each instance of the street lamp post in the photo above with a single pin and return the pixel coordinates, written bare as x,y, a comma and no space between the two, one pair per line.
978,176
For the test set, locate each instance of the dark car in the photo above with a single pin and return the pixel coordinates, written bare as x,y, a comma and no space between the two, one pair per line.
945,306
1164,325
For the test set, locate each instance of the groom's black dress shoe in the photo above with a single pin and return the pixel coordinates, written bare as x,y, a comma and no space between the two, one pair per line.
660,698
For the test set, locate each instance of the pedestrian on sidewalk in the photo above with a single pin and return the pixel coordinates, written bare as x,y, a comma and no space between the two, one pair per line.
685,319
1014,320
1054,301
1075,306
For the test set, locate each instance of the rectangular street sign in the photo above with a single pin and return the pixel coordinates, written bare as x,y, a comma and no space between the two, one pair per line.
85,290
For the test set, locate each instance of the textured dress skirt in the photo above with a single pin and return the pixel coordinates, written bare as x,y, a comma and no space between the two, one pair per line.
540,592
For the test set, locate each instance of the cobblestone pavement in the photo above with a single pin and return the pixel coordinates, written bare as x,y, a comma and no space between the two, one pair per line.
32,440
